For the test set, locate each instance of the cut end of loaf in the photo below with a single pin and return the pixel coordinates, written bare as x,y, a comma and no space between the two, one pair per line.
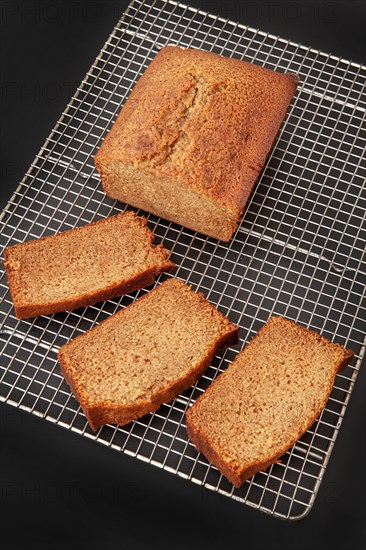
268,397
144,355
168,198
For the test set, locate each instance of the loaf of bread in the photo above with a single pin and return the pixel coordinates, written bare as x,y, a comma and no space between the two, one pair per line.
193,137
267,398
83,266
144,355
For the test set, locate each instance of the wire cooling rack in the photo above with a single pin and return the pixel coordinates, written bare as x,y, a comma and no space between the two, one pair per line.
299,251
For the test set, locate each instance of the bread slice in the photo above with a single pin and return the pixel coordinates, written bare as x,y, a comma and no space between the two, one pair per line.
83,266
267,398
144,355
193,137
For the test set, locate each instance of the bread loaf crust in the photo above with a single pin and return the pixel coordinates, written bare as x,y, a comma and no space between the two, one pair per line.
199,121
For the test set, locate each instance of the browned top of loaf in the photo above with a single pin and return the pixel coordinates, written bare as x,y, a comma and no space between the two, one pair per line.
82,260
269,396
143,349
206,119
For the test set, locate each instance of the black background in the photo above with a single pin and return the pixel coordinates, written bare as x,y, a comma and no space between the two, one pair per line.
58,490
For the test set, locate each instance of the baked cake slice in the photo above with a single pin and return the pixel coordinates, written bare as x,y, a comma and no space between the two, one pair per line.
266,400
83,266
144,355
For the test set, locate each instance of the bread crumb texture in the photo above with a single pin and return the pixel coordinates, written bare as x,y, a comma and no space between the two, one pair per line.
146,354
267,398
83,266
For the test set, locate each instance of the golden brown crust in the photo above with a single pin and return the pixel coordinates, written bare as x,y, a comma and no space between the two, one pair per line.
207,120
24,309
238,474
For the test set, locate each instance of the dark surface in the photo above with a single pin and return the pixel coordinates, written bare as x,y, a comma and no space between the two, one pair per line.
58,490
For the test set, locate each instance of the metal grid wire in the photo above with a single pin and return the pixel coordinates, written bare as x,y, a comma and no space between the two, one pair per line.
298,252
